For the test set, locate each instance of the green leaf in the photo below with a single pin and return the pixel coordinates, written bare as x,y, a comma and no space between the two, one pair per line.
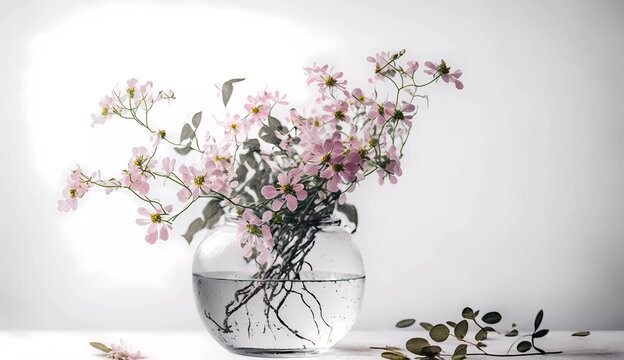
393,356
183,150
491,318
513,325
581,333
197,120
275,124
481,335
100,346
467,313
460,352
461,329
540,333
512,333
351,212
439,333
227,89
431,351
266,134
241,173
252,144
489,328
538,319
405,323
426,326
187,132
524,346
193,228
480,344
212,213
415,345
451,324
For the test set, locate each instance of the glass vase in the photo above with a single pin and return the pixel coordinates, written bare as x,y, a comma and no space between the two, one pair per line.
294,307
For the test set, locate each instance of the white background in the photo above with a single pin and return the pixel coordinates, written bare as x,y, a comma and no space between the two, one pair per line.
512,193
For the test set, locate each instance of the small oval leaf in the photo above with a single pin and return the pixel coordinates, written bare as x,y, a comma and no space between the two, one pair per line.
467,313
512,333
187,132
100,346
196,120
481,335
461,329
431,351
451,324
439,333
426,326
581,333
491,317
524,346
538,319
393,356
405,323
540,333
415,345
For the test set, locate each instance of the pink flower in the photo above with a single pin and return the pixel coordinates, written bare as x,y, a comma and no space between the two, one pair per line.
209,178
157,227
168,165
401,113
381,60
107,104
336,112
257,109
321,155
361,99
412,66
377,113
75,189
290,190
121,352
325,80
254,233
341,168
445,73
138,172
233,126
391,166
159,135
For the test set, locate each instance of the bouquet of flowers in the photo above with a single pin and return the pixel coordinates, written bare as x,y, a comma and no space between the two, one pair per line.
281,173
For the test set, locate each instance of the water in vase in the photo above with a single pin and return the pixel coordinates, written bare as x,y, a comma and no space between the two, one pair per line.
272,318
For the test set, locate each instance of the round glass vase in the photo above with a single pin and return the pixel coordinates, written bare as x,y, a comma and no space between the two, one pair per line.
252,311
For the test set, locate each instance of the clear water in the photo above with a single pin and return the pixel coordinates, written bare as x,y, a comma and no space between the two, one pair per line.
253,332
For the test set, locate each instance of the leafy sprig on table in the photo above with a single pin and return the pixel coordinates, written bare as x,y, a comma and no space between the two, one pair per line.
441,332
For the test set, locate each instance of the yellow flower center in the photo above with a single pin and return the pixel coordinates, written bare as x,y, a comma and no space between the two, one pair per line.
288,189
339,115
131,92
105,111
156,218
372,142
316,123
330,81
255,110
443,69
162,133
326,158
199,180
253,229
338,167
72,193
233,126
139,160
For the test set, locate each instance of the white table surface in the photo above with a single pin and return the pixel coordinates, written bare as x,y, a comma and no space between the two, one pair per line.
22,345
